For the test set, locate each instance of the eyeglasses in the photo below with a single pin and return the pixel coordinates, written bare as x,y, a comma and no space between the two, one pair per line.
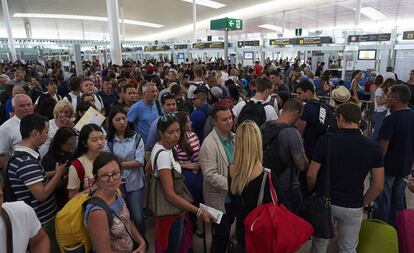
168,117
115,176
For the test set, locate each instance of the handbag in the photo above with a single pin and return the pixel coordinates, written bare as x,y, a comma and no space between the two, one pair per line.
318,208
159,205
272,228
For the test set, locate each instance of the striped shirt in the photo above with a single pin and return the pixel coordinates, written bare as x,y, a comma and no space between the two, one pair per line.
183,157
25,170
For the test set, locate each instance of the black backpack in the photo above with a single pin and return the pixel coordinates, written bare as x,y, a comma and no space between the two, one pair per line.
271,147
326,119
254,111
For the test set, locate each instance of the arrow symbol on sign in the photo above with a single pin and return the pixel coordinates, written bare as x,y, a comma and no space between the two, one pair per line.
231,23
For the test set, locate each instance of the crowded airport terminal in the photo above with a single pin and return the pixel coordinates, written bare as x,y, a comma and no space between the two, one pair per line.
201,126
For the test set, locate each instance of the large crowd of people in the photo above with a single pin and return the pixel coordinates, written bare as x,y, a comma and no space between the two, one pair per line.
177,136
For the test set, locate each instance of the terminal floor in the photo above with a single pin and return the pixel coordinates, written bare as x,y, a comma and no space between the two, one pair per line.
198,242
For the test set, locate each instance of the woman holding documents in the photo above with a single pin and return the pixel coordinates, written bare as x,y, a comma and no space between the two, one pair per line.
246,174
169,198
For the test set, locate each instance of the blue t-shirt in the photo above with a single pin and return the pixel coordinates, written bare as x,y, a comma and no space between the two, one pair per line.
9,108
198,117
142,116
352,157
398,128
115,208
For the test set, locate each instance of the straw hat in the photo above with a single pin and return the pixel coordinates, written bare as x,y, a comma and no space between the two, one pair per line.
341,94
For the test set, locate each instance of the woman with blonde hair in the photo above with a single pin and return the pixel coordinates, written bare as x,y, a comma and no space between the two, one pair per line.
245,177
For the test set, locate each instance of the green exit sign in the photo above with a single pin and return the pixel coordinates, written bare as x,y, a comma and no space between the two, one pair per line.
230,24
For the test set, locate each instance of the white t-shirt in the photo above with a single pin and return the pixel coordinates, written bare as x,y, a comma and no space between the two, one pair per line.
379,108
25,225
10,135
271,113
164,160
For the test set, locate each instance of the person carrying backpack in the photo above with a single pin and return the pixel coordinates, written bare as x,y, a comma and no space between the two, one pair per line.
202,114
284,154
317,118
261,108
99,220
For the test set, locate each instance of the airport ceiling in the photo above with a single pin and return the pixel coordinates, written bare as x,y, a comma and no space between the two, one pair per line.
175,16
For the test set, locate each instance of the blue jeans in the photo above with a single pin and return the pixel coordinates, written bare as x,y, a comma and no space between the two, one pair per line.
135,203
377,119
390,201
176,236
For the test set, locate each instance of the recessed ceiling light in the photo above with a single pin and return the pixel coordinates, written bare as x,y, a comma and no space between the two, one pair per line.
373,13
271,27
80,17
208,3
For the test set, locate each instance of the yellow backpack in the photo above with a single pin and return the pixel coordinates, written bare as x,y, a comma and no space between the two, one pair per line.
71,233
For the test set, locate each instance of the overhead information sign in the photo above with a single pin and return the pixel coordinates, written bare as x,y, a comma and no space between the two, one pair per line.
205,45
408,35
157,48
230,24
279,42
181,46
301,41
248,43
370,37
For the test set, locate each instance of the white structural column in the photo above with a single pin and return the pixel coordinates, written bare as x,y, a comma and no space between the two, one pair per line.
9,30
112,9
226,46
28,30
123,23
78,59
195,20
358,12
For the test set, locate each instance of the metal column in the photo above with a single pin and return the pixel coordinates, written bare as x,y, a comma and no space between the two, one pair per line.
112,8
9,29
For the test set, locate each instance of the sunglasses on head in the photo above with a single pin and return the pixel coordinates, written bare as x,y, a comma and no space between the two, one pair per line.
168,117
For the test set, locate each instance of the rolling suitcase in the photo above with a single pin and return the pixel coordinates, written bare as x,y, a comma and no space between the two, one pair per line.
405,229
376,236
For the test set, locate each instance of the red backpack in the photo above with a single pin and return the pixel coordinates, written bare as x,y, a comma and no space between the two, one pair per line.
272,228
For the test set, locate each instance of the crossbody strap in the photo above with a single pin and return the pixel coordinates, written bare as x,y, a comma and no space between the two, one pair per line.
9,230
